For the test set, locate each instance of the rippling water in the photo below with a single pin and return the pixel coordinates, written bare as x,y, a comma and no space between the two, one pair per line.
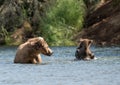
61,69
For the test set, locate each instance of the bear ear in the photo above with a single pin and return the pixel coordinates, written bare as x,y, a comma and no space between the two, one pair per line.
38,44
90,41
81,40
34,42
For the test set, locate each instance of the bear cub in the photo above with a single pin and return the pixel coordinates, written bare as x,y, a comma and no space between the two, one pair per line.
83,51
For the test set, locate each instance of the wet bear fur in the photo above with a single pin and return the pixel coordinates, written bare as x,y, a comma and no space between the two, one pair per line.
29,52
83,51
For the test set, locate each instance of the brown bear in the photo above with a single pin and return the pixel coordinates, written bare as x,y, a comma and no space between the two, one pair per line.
29,52
83,51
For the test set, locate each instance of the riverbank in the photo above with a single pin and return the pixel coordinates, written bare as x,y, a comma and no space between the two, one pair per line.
102,25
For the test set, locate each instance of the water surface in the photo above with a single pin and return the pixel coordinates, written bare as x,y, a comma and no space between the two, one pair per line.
61,69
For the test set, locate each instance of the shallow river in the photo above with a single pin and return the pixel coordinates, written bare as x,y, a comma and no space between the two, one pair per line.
61,69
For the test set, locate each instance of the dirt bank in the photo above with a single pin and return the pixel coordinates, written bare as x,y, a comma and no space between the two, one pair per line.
103,25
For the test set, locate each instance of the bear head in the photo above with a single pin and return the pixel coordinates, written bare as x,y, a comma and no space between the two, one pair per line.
39,45
83,50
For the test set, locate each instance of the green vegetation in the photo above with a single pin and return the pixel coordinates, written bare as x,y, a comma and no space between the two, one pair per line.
62,21
5,34
58,21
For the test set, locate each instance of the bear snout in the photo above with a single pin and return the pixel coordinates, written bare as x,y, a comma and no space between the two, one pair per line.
50,52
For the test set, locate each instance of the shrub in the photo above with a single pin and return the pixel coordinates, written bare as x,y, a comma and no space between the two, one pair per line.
63,20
